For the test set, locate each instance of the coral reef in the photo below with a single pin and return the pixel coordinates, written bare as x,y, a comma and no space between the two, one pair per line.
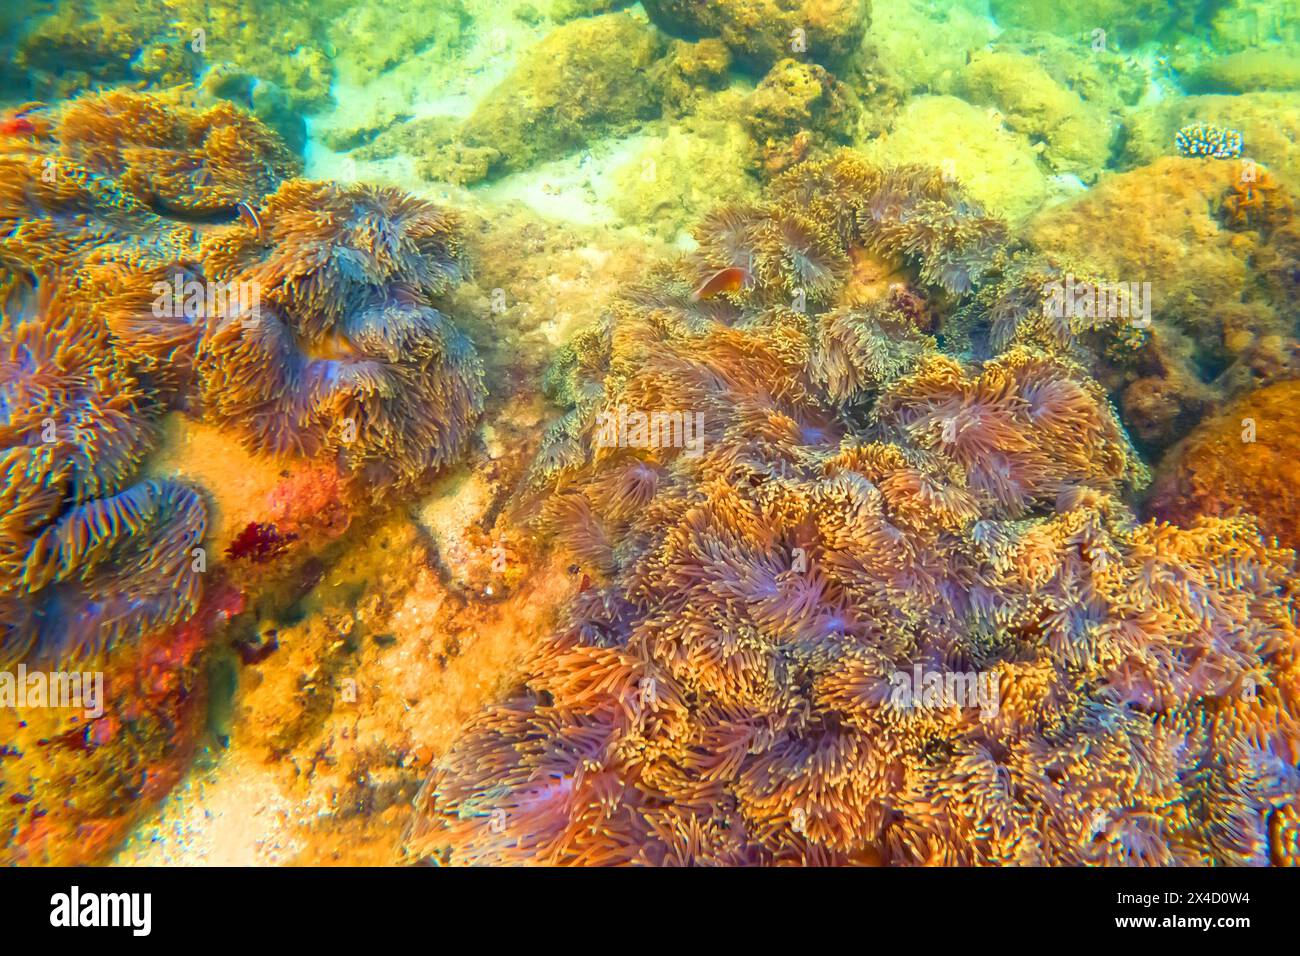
585,79
1243,460
997,167
726,689
1078,135
1222,320
760,32
1201,139
753,500
919,48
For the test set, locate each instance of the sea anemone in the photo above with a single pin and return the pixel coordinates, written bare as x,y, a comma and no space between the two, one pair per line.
171,157
327,251
85,557
861,351
342,353
74,424
1027,427
891,610
105,571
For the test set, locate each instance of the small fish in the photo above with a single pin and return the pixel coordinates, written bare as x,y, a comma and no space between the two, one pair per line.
248,217
730,279
16,126
19,122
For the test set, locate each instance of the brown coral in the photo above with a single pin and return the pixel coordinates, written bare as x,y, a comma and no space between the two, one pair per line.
1242,460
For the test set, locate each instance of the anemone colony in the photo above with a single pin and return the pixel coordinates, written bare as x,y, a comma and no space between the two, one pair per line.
112,201
906,464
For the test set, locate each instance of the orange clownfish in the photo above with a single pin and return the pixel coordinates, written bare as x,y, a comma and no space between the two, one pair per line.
730,279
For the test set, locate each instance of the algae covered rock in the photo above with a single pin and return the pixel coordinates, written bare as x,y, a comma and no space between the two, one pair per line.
920,46
562,10
1269,124
1128,21
1247,457
1078,135
995,166
1248,24
760,32
368,44
796,99
79,43
1217,326
691,71
586,79
1276,68
675,180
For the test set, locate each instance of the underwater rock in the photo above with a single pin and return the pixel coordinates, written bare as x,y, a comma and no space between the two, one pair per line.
368,44
1250,70
690,72
1269,124
562,10
761,32
800,98
1078,136
1243,460
920,47
431,140
279,41
1106,79
366,131
586,79
76,45
1128,22
997,167
85,44
694,167
1217,330
1249,24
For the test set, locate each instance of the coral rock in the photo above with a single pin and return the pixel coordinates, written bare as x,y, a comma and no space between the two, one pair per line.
1242,460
